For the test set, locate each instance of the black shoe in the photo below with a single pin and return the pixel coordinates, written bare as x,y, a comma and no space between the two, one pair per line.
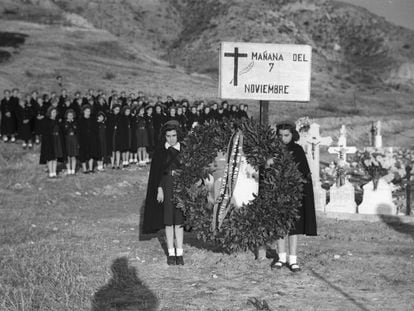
294,267
179,260
277,264
171,261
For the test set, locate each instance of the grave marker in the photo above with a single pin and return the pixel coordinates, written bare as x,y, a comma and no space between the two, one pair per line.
377,201
314,141
342,199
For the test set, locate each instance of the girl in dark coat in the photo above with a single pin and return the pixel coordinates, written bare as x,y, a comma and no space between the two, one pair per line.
125,134
149,118
306,223
8,118
24,116
40,117
193,119
140,136
70,133
159,120
159,209
113,130
51,148
103,148
182,119
88,140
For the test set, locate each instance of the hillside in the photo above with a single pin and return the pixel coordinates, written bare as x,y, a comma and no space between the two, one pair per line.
361,63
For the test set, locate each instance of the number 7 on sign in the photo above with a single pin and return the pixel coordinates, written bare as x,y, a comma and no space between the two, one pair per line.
271,66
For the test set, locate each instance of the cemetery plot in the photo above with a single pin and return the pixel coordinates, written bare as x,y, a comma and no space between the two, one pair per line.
373,180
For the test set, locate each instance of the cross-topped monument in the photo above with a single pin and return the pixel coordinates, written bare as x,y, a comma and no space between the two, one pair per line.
342,149
314,140
236,56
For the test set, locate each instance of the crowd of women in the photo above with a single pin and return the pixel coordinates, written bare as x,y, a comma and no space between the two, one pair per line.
95,130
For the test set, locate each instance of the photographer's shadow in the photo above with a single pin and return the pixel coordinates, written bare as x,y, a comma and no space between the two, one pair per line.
124,291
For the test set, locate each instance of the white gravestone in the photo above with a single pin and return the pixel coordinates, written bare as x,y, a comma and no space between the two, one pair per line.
314,141
342,137
377,201
342,199
378,136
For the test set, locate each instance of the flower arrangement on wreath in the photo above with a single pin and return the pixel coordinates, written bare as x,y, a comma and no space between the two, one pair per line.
303,124
377,164
271,213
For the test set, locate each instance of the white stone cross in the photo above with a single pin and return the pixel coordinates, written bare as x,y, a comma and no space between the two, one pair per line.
342,149
313,142
342,152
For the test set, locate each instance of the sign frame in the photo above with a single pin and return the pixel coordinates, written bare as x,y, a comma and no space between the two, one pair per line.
291,80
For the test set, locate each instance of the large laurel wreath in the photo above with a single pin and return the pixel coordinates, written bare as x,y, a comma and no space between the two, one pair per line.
273,211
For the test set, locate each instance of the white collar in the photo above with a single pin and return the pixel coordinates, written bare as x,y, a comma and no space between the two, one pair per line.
176,146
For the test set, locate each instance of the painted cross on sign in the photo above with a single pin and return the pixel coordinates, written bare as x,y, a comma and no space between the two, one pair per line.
261,71
236,56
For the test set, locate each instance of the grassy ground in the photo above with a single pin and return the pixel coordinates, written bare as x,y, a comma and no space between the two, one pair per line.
73,244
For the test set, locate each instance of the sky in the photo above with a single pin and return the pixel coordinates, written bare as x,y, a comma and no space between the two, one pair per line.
399,12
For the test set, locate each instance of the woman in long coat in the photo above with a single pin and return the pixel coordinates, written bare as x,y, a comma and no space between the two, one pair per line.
51,148
160,211
8,118
125,134
24,116
88,139
306,223
114,135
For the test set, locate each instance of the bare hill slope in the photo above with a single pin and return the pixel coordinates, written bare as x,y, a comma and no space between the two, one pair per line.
361,63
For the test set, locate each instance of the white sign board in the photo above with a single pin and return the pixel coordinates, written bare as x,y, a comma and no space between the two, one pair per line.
261,71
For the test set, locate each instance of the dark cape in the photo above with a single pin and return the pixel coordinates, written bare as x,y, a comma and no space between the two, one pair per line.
8,124
52,142
153,211
158,215
88,139
306,223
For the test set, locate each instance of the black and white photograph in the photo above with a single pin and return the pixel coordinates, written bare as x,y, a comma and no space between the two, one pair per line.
206,155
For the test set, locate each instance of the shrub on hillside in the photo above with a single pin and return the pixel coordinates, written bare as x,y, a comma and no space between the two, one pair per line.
109,75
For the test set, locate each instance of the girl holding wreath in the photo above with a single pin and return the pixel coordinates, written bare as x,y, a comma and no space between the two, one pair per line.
306,222
160,211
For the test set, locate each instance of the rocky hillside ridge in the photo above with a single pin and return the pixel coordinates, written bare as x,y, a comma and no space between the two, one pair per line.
349,41
353,49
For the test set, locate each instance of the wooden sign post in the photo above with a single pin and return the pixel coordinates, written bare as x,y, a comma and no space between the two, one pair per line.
264,112
265,72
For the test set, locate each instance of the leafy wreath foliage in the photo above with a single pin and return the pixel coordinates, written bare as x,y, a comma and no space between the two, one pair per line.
273,211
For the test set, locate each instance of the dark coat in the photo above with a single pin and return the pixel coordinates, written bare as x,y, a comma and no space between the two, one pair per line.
24,116
52,142
104,150
191,118
8,123
158,215
125,132
139,133
151,132
88,139
40,112
113,132
306,224
158,120
70,134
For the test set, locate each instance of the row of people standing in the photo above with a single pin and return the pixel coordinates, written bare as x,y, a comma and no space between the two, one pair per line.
117,138
22,118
